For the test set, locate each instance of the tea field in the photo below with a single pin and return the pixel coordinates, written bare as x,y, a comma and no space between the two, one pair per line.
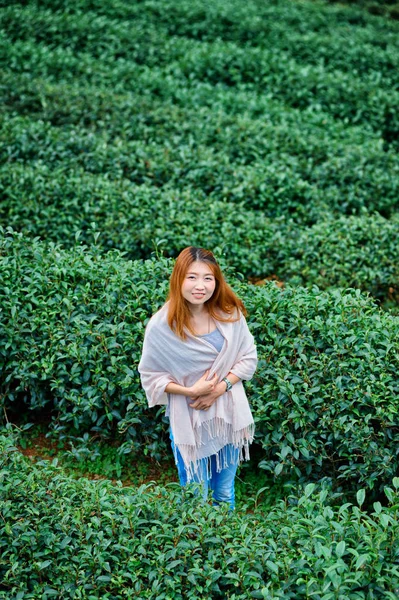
267,132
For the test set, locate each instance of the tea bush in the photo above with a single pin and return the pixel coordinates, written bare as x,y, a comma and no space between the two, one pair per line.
292,167
270,67
325,391
268,132
324,396
363,178
64,350
254,125
347,252
89,539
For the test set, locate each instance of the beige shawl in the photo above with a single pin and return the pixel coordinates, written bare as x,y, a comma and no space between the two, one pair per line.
166,358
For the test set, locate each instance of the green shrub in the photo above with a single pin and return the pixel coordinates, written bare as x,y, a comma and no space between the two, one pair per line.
126,30
325,391
86,539
67,46
346,252
72,337
131,218
279,176
72,327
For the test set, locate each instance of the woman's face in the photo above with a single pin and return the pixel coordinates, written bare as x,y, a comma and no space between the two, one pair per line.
199,283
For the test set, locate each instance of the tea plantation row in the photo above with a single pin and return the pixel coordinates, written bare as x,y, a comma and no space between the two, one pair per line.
357,251
86,539
72,47
324,396
302,169
141,31
132,116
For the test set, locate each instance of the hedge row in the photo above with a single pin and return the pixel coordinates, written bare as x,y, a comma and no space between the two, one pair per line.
324,396
150,27
338,94
267,69
281,178
348,252
243,126
246,126
386,8
86,539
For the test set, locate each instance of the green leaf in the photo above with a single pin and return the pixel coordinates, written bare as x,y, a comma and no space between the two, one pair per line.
340,549
272,566
309,489
174,564
360,496
103,578
361,561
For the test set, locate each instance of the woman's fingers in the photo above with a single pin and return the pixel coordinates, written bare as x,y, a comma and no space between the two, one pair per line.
199,406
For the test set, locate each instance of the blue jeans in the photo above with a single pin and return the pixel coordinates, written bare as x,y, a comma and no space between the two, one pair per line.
221,484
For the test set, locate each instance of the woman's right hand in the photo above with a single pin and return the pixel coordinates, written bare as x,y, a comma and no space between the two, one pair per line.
202,387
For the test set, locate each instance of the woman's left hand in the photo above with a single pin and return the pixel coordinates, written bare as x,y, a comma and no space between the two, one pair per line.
205,402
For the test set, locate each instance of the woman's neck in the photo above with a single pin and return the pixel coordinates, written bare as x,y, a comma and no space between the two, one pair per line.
198,311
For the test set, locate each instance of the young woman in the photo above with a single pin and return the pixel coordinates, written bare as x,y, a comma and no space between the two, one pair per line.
197,351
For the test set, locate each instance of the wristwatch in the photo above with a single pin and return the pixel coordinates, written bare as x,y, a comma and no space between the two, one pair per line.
228,383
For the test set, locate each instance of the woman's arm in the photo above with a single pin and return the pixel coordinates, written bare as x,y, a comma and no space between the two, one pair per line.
204,401
232,378
200,387
175,388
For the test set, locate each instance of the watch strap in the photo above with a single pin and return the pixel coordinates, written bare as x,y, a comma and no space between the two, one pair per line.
228,383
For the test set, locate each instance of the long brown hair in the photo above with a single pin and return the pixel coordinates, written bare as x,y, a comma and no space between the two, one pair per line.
223,298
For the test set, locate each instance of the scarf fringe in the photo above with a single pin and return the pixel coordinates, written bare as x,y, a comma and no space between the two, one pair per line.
216,428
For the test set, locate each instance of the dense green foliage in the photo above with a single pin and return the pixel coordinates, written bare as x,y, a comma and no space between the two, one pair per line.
252,125
358,251
84,539
268,132
324,396
387,8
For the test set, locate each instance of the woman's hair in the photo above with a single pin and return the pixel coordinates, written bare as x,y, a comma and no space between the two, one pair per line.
223,298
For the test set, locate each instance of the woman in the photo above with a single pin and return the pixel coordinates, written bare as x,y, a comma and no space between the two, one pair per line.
197,350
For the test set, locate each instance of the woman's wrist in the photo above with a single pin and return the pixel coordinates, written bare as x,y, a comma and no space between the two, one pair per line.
180,390
232,379
221,388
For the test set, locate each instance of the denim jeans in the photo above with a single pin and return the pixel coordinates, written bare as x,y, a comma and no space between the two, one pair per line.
221,484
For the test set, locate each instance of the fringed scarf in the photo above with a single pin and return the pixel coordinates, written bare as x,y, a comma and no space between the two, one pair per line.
199,434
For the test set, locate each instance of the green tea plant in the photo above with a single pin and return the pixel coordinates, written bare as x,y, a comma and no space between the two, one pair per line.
85,539
325,391
72,328
267,67
346,252
262,121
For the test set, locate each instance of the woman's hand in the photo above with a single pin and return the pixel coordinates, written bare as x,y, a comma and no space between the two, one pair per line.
206,400
202,387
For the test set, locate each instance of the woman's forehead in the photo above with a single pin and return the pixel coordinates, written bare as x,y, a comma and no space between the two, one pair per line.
199,268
